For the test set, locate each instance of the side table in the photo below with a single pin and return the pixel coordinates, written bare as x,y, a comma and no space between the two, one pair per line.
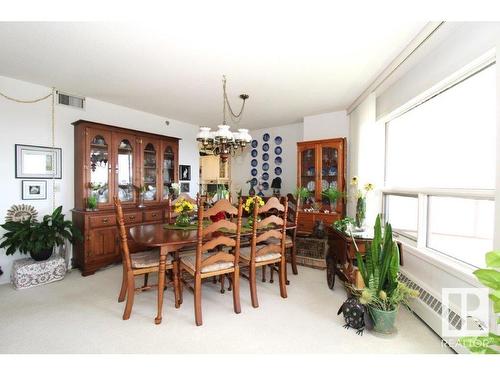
27,272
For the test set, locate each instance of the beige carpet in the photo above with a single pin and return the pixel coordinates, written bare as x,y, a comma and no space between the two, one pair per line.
82,315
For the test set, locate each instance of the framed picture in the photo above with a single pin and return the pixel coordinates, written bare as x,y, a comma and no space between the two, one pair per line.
185,172
184,187
38,162
34,189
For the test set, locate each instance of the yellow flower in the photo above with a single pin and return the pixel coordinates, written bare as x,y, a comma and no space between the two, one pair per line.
369,187
354,180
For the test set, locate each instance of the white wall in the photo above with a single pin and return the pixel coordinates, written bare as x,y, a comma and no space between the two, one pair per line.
31,124
240,165
326,125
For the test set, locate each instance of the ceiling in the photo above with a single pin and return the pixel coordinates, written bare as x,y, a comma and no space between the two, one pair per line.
290,66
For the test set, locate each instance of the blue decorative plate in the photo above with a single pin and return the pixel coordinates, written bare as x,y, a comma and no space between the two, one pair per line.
253,182
254,153
265,156
277,160
254,172
278,150
265,176
278,140
266,137
265,185
265,147
254,162
277,171
265,166
255,143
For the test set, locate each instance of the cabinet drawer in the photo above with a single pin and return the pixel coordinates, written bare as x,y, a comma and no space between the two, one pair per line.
132,218
153,215
102,221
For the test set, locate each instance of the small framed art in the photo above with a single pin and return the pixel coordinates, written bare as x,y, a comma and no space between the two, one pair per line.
184,187
34,189
38,162
185,172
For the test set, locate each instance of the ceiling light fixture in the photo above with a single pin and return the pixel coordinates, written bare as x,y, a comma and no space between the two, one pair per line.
223,142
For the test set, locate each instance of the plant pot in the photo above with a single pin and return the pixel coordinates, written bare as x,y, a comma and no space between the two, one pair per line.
42,254
383,321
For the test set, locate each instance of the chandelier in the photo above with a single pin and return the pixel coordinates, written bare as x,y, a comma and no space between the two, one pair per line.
223,142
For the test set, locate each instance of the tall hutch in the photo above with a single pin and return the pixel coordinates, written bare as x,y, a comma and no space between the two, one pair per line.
112,161
320,165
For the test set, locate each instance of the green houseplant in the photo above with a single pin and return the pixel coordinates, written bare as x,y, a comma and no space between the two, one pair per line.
383,293
489,277
301,193
332,195
39,238
342,225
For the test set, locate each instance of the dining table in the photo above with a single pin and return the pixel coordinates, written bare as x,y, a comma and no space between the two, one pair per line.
170,239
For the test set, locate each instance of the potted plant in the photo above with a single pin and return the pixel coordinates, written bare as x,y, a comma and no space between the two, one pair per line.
301,193
342,225
39,238
489,277
332,195
183,208
383,293
249,206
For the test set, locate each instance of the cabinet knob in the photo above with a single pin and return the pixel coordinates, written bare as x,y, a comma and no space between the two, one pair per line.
132,217
105,221
154,215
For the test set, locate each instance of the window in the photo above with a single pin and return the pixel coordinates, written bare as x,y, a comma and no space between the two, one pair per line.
440,164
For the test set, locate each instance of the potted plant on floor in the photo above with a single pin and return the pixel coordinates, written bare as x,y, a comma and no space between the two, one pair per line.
39,238
383,293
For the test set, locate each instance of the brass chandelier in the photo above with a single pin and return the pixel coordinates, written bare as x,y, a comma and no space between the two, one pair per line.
223,142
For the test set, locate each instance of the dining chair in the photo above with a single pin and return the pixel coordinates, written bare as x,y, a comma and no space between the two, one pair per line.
293,218
139,263
261,252
210,260
171,214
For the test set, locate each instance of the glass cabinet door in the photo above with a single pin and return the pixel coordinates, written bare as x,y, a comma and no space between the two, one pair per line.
99,167
168,170
329,170
149,176
308,170
125,168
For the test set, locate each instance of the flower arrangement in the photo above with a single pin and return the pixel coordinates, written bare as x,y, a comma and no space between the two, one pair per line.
249,203
183,208
360,194
175,188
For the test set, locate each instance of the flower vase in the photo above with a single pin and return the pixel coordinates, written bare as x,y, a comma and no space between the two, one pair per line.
250,221
333,206
141,201
183,220
360,212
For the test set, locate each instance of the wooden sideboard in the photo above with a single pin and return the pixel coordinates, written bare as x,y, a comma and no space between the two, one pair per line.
320,165
112,161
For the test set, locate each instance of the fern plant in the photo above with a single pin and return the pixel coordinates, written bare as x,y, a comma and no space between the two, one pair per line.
302,193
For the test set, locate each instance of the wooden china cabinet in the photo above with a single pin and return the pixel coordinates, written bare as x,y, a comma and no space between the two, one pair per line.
321,164
112,161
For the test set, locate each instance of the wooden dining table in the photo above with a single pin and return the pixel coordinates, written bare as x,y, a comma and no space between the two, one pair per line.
169,240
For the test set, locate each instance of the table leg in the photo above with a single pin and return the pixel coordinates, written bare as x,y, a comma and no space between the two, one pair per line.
161,282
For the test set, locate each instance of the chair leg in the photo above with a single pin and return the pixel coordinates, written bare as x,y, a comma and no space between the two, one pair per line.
146,276
282,269
230,282
222,281
130,296
236,290
175,271
197,299
180,284
123,290
264,274
293,253
253,286
271,280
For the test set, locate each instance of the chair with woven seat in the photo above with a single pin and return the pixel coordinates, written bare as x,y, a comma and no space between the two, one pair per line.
210,260
293,218
137,264
267,246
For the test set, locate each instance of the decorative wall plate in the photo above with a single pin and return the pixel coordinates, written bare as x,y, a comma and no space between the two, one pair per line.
265,156
265,185
266,137
278,140
277,171
265,166
254,162
254,153
21,212
265,176
253,182
254,172
265,147
255,143
278,150
277,160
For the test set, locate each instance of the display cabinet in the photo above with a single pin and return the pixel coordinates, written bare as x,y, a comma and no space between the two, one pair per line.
112,161
321,165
